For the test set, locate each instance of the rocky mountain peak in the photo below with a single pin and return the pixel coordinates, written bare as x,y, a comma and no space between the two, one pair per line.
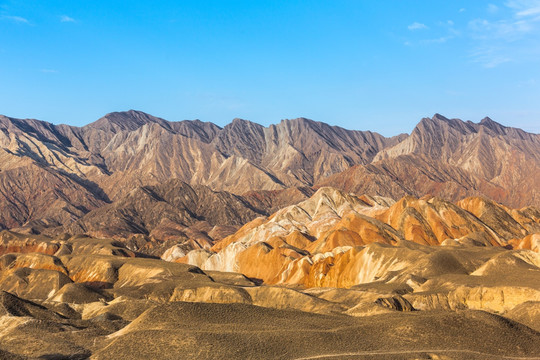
301,121
440,117
238,123
126,120
492,125
486,120
243,138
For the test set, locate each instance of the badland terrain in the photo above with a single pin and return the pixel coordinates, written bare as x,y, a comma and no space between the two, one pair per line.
137,237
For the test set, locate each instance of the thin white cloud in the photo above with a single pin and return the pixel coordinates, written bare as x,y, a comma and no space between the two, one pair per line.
511,38
489,57
492,8
507,39
49,71
416,26
441,33
496,61
510,33
439,40
502,29
525,8
506,28
17,19
529,12
65,18
527,83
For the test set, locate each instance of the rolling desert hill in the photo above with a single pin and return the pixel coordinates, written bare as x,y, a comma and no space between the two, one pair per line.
85,298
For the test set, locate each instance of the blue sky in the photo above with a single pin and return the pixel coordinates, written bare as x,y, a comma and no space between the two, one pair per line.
367,65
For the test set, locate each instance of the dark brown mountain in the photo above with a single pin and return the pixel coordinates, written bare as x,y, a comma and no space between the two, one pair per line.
162,211
153,218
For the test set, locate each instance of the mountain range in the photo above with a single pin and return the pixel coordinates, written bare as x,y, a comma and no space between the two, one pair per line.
60,178
136,237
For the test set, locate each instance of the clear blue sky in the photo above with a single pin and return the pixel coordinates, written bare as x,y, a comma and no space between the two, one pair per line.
377,65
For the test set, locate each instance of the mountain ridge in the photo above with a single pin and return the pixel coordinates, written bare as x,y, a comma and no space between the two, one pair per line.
104,160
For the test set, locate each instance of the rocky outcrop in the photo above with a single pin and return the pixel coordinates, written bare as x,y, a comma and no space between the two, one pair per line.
12,242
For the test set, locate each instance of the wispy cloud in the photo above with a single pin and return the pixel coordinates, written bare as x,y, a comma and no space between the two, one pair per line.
525,8
527,83
416,26
17,19
442,32
489,57
529,12
507,30
509,38
48,71
65,18
462,10
439,40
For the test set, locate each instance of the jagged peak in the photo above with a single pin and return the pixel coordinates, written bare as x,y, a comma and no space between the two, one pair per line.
7,119
303,122
126,120
438,120
239,122
300,120
486,120
434,124
336,198
493,125
438,116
